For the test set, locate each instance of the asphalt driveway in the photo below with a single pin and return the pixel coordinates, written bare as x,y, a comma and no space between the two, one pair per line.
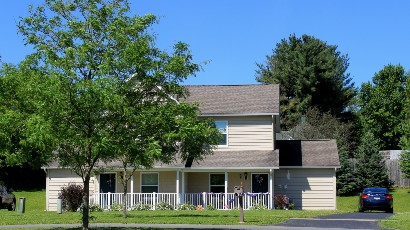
354,220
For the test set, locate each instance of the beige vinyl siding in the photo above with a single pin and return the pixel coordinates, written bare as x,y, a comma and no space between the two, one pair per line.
58,178
197,182
249,133
310,189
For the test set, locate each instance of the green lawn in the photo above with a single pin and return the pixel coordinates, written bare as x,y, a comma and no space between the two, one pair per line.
35,214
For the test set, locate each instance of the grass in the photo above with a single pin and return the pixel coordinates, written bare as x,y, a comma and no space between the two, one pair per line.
35,214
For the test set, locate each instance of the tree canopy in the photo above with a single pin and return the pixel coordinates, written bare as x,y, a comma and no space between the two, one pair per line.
311,73
382,105
106,92
405,139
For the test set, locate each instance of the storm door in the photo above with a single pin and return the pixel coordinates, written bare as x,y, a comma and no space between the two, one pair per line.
260,183
107,183
107,190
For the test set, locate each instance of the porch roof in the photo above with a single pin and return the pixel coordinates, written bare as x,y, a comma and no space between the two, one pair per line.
238,160
308,153
235,99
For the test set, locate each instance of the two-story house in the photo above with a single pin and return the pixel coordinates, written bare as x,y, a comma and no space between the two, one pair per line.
248,155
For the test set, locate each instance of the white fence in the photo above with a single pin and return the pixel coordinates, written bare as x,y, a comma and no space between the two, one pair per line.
216,200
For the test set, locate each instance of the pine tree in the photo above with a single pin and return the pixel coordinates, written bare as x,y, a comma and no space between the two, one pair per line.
347,183
371,169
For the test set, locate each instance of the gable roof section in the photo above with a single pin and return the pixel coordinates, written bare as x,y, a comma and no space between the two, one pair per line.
308,153
239,160
235,99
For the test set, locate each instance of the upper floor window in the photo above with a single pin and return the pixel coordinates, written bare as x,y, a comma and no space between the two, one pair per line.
222,127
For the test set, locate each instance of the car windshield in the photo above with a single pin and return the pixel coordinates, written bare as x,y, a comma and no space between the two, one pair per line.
375,190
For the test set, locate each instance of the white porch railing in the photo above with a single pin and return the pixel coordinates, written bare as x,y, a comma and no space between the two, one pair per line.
216,200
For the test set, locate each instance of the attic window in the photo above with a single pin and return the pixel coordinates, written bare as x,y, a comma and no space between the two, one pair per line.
222,127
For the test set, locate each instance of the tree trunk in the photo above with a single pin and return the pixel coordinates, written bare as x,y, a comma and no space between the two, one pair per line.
124,197
86,202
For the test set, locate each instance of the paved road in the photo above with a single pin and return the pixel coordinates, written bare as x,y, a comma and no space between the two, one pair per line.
345,221
355,220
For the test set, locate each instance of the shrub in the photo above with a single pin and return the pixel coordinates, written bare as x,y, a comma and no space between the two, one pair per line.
71,197
186,207
210,207
116,207
281,202
141,207
95,208
258,206
164,206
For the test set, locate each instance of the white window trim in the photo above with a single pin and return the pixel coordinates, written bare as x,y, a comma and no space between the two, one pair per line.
142,173
209,183
227,133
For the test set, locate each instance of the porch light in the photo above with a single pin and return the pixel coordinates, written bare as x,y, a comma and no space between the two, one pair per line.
245,175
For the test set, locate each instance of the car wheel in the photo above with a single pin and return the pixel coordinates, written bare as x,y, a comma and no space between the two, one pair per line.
12,206
390,210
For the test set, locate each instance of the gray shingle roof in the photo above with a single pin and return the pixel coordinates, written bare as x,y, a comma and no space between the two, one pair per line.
308,153
239,159
235,99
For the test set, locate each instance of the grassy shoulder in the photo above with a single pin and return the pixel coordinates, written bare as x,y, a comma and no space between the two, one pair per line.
35,214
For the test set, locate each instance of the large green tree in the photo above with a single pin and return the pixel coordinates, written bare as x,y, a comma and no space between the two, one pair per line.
311,73
19,120
382,105
101,73
405,139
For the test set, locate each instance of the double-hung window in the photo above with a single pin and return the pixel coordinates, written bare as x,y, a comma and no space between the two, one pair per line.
217,183
222,127
149,182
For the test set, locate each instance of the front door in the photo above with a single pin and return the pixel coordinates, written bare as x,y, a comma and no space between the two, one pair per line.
260,183
107,183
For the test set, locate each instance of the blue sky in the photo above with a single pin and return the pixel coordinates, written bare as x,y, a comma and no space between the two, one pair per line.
235,35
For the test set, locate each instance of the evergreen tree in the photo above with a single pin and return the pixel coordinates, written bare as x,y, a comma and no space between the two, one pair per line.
311,73
371,169
346,181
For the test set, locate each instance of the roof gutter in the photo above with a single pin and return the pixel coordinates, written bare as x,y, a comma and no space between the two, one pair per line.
237,114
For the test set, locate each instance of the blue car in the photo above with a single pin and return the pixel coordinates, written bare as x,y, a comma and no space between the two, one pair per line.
376,199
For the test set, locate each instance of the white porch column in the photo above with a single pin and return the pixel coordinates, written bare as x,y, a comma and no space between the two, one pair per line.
177,188
271,192
183,188
132,191
226,189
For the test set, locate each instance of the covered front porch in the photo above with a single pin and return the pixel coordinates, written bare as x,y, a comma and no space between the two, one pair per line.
219,201
201,188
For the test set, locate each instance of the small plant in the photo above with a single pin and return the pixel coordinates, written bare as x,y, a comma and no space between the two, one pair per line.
186,207
95,208
71,196
210,207
164,206
141,207
116,207
258,206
